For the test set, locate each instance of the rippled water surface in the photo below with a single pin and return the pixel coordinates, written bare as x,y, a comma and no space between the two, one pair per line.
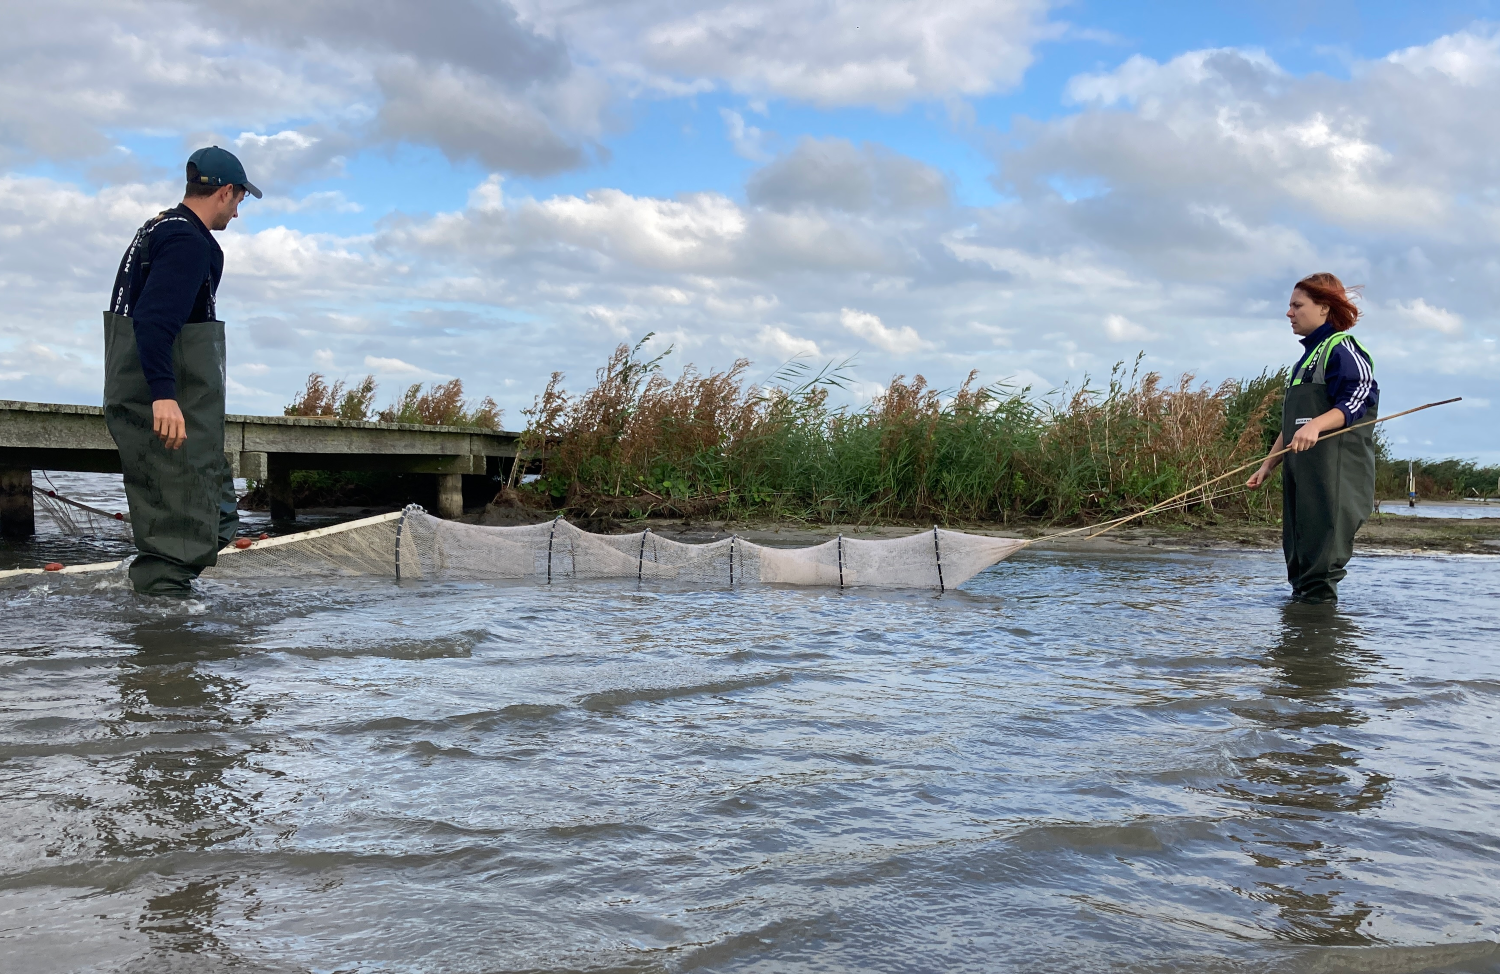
1448,509
1137,763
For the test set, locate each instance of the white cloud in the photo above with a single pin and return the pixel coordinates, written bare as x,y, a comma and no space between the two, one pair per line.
1423,315
242,392
748,141
695,231
1121,329
834,173
782,345
324,201
897,341
1470,58
393,366
885,53
463,75
1228,126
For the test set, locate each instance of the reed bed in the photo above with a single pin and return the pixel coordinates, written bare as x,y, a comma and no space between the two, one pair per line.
442,404
638,442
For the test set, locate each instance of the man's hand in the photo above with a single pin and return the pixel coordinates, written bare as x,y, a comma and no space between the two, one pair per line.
167,423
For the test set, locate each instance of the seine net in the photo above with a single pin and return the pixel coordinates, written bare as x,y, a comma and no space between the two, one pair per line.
363,548
416,545
79,520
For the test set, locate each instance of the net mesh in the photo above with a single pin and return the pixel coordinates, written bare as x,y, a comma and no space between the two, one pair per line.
358,549
416,545
79,520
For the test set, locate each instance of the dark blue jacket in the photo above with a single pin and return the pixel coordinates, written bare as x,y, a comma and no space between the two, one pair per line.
1351,375
167,279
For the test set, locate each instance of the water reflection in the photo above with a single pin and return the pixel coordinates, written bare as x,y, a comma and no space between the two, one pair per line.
185,786
1311,778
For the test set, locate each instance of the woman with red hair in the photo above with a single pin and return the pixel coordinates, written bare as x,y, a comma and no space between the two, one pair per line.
1328,489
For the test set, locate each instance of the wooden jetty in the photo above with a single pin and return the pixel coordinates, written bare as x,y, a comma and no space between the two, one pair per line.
52,436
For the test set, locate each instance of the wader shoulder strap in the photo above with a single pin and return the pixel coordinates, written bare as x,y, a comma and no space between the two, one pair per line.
1315,368
143,242
144,236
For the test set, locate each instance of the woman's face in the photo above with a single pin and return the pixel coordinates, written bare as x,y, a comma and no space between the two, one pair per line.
1305,316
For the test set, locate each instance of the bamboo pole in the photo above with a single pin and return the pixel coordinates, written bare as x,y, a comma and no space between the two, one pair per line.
1111,525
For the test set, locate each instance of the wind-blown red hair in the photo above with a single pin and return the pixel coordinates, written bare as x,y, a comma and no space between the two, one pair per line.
1324,288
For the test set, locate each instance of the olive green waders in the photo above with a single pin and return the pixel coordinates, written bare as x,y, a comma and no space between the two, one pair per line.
1327,492
182,501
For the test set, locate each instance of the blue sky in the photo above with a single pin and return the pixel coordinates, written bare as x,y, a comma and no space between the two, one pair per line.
1035,190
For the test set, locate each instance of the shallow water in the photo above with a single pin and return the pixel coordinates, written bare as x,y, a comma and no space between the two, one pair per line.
1143,762
1450,509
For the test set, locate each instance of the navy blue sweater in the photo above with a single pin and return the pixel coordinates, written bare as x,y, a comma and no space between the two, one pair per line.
1350,375
167,279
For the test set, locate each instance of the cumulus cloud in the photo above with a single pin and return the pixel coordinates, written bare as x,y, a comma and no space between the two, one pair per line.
885,53
1121,329
278,160
837,174
748,141
463,75
783,345
470,117
1229,127
483,36
109,67
393,366
324,201
1423,315
897,341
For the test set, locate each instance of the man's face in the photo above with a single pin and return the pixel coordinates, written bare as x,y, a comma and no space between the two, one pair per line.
227,206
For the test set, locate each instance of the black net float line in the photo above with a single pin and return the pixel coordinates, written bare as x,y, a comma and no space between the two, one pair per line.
550,535
938,552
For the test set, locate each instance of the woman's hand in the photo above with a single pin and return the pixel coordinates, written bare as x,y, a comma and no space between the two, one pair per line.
1305,438
1307,434
1268,467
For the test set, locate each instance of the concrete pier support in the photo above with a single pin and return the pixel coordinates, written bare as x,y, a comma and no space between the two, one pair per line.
17,509
450,495
279,486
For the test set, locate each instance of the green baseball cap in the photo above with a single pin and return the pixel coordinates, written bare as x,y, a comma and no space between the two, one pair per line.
219,167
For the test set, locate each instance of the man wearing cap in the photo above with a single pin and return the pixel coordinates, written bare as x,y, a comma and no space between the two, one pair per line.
164,380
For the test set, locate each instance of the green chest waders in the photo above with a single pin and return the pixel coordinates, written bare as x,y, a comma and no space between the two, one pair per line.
1328,492
182,502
